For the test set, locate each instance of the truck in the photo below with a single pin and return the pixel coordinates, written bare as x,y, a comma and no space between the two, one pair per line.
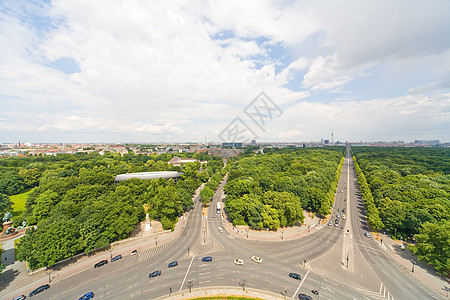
218,207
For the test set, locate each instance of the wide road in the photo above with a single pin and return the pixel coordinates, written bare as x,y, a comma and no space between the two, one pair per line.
341,263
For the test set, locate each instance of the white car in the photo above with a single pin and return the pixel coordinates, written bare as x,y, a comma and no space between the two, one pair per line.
220,229
367,234
239,262
257,259
343,216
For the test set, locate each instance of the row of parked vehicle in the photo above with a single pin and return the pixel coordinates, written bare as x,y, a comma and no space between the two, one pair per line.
44,287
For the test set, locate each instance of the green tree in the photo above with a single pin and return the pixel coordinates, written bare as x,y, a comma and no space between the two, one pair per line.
206,194
5,204
433,246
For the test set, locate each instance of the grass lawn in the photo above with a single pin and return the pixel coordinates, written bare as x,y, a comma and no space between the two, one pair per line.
19,202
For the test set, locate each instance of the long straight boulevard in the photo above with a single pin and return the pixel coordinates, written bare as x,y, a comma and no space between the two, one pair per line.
337,261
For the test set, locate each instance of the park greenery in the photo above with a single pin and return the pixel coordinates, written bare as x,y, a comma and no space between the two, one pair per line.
407,192
271,190
77,208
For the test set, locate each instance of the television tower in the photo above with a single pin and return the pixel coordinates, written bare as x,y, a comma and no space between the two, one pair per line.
332,137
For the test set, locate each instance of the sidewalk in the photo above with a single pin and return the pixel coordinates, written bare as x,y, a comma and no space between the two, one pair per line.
16,281
288,233
409,262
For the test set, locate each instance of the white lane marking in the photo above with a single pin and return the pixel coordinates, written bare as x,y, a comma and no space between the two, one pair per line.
330,282
327,288
187,272
300,285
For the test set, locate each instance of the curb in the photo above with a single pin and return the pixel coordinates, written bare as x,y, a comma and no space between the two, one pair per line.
222,291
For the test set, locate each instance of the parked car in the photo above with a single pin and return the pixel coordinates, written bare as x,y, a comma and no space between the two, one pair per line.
154,274
207,259
367,234
343,210
21,297
336,222
295,276
173,264
402,247
101,263
338,216
330,224
117,257
339,209
239,261
257,259
304,297
220,229
87,296
40,289
134,252
343,216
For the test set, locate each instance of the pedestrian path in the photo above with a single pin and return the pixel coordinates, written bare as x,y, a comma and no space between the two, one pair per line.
148,253
216,248
382,294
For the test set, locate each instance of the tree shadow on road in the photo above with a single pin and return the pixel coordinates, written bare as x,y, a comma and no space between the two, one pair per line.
7,276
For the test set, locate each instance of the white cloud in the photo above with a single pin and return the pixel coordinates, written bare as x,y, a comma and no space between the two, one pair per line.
175,70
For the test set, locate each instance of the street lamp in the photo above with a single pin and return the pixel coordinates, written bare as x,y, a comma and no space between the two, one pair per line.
48,271
190,284
285,293
156,240
282,234
243,283
412,268
247,232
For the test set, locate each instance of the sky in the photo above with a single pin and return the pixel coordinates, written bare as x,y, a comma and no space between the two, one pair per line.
185,71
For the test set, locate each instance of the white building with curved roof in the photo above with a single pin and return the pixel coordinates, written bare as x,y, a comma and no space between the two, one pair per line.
149,175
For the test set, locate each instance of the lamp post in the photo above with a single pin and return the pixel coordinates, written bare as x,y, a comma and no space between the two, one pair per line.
190,284
243,283
285,293
156,240
282,234
48,271
412,268
247,232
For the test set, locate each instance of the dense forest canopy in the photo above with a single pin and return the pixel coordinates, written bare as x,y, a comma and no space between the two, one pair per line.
271,190
77,207
408,190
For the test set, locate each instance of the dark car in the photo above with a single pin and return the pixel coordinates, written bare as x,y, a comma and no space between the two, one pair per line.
101,263
304,297
40,289
295,276
173,264
134,252
154,274
207,259
87,296
117,257
21,297
343,210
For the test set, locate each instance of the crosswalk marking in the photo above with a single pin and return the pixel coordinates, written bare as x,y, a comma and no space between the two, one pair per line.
216,248
383,293
148,253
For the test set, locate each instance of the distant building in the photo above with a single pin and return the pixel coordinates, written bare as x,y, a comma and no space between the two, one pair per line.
149,175
225,152
177,161
232,145
424,142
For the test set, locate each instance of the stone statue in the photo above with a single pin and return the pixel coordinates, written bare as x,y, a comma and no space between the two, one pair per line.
7,217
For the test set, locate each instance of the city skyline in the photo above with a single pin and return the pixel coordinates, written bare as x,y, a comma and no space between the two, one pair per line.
81,71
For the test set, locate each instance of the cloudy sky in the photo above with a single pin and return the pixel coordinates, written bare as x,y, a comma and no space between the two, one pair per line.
152,71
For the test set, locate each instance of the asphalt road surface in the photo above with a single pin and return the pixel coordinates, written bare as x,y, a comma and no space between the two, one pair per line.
341,263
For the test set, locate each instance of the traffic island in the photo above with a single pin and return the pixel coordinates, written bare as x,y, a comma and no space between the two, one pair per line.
222,292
